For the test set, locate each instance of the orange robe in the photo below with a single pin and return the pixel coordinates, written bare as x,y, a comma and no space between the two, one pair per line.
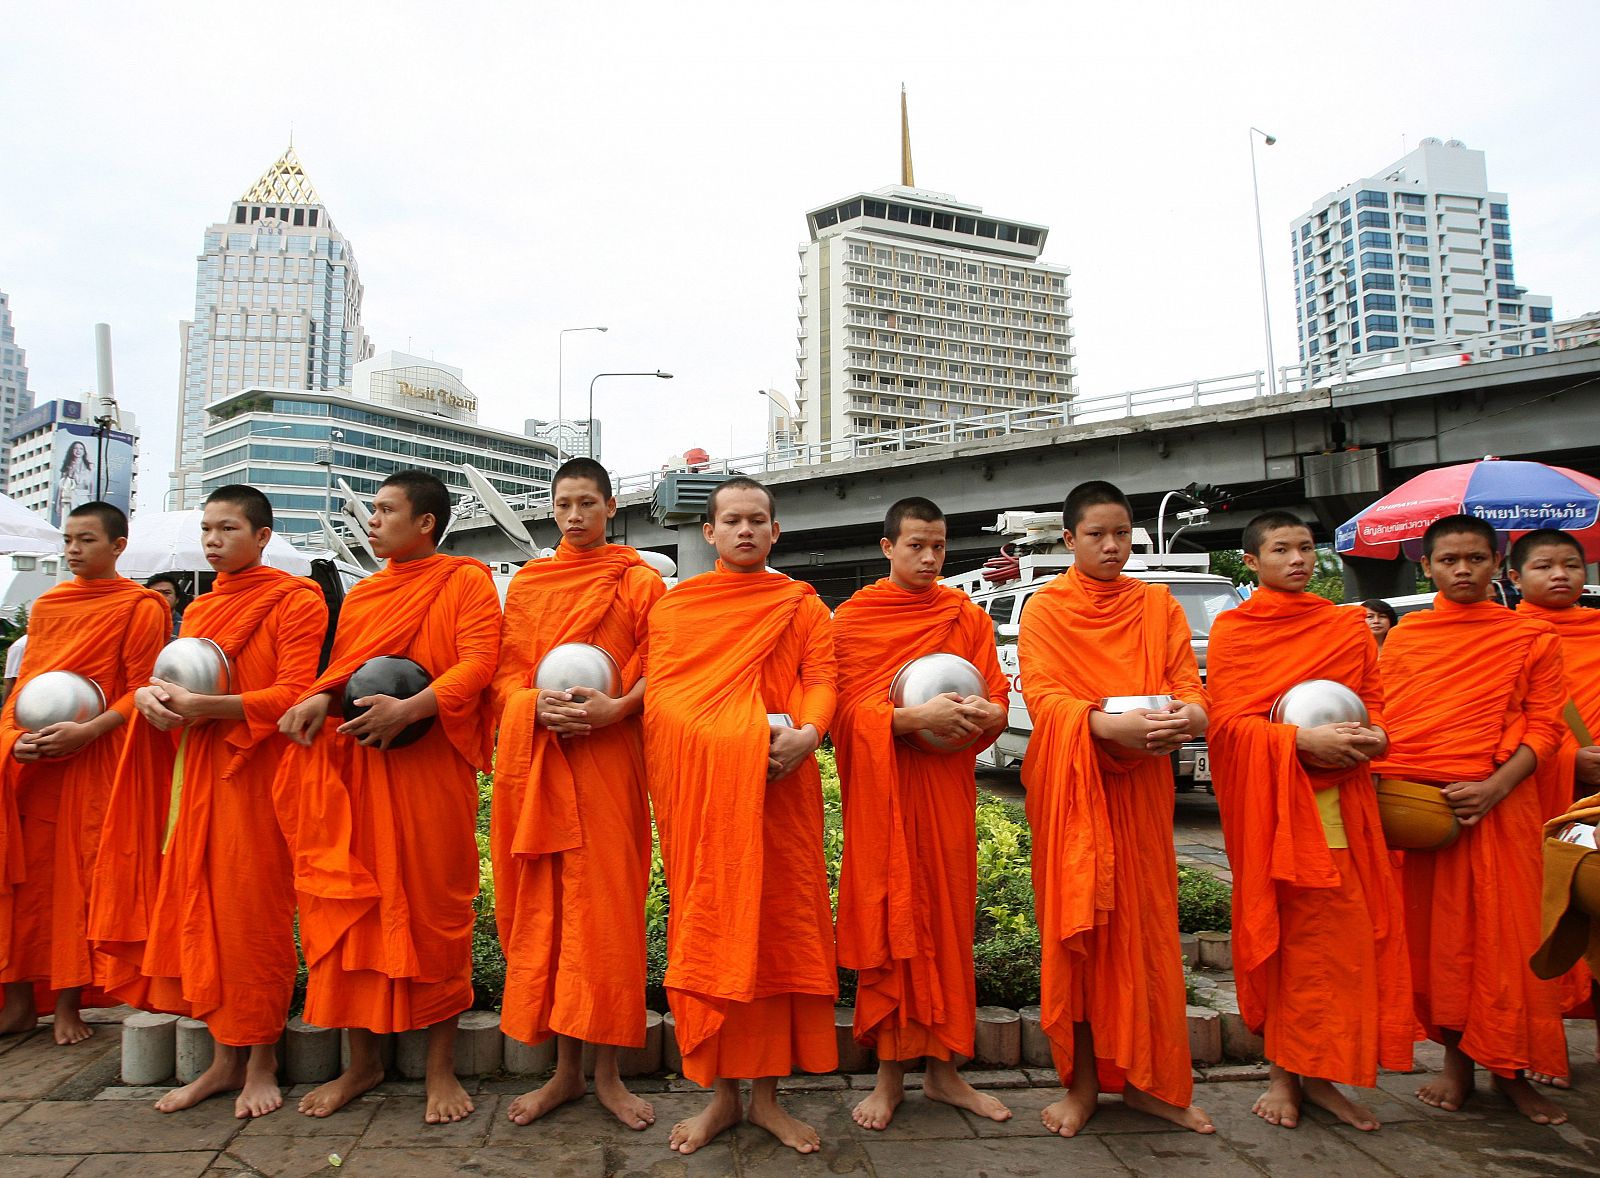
751,975
384,844
202,924
1465,685
908,884
51,811
1319,947
571,821
1104,868
1579,632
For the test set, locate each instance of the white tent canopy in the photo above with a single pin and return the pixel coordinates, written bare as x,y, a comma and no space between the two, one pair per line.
169,542
23,531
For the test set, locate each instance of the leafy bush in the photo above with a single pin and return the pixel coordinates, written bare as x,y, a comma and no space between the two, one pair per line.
1006,968
1205,903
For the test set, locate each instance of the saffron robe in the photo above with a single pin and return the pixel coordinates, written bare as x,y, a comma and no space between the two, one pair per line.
200,922
1464,687
751,976
571,818
1319,948
384,844
51,811
908,882
1104,867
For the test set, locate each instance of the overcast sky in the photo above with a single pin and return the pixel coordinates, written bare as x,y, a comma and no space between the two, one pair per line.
503,171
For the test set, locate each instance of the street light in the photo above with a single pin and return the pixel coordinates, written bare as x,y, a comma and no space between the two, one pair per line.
561,340
1261,254
325,459
788,415
588,426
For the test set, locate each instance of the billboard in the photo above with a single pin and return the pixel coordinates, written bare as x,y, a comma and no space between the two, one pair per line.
87,465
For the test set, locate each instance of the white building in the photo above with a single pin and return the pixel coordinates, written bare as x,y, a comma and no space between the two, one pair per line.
62,457
1419,252
15,397
400,413
571,436
277,304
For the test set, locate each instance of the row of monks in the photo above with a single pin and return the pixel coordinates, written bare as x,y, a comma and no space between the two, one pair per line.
161,853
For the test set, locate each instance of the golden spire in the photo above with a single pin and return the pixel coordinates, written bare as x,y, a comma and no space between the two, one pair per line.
285,182
906,177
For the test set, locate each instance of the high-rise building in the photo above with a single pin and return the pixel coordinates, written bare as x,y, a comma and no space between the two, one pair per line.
62,457
1419,252
572,436
916,308
277,304
15,397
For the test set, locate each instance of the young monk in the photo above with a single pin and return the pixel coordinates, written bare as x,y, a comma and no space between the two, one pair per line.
738,802
383,839
908,886
1548,567
1100,797
1473,697
571,827
193,903
54,783
1318,928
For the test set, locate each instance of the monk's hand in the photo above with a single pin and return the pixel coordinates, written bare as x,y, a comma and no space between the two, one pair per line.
790,746
1587,768
62,739
1168,730
152,704
302,722
561,712
985,713
950,718
25,750
1471,800
385,718
1332,746
596,708
182,702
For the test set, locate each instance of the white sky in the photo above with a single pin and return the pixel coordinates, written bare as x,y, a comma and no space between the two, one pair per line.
503,171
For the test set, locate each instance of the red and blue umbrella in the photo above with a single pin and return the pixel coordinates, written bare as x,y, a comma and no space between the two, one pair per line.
1514,497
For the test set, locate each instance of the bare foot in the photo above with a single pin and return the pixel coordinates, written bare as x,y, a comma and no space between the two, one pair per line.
1549,1081
701,1129
19,1021
1193,1117
948,1086
229,1077
1325,1094
1071,1113
70,1028
794,1133
1530,1102
339,1091
1280,1103
447,1100
259,1096
1451,1087
558,1090
876,1109
633,1111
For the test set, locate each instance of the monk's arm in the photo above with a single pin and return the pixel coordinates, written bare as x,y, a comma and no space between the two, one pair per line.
477,640
1183,673
819,671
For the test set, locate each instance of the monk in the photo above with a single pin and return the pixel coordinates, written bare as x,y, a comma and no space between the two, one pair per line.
55,782
1318,928
908,884
1547,566
193,902
739,689
1473,697
1100,798
571,819
383,839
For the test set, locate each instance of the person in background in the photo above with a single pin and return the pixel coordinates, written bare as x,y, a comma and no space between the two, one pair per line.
14,655
167,585
1381,618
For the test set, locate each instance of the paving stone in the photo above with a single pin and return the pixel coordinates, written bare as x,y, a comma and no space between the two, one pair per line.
1176,1153
1043,1077
36,1065
12,1108
581,1122
917,1119
586,1162
288,1157
1311,1150
110,1126
649,1157
1231,1073
37,1166
809,1083
189,1164
1500,1147
1023,1157
350,1121
995,1078
151,1092
761,1155
398,1123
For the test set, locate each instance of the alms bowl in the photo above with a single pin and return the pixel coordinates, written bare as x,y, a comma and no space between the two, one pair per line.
578,664
1317,702
1117,705
394,676
1415,816
56,697
196,664
933,675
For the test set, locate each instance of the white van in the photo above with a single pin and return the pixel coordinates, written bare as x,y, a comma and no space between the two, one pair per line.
1003,589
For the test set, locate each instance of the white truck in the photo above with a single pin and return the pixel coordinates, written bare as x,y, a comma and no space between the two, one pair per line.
1032,555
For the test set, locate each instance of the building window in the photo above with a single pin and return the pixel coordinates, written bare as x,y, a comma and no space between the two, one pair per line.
1416,282
1373,220
1507,291
1378,343
1377,261
1505,271
1498,212
1418,304
1415,199
1305,231
1377,282
1502,251
1381,241
1417,262
1422,324
1344,208
1540,314
1414,241
1378,302
1510,310
1414,220
1347,248
1369,198
1308,270
1500,231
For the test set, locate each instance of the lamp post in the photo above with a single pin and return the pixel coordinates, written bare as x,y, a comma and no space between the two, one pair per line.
1261,255
784,410
325,459
588,425
561,340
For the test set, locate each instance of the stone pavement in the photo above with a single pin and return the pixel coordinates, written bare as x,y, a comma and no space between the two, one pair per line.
62,1112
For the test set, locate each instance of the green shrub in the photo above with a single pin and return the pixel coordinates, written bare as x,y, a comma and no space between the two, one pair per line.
1006,968
1205,903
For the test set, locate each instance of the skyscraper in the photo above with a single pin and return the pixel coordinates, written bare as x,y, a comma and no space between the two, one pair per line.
1418,253
916,308
15,397
277,303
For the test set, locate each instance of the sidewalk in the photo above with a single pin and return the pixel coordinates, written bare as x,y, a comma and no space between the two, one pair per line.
62,1112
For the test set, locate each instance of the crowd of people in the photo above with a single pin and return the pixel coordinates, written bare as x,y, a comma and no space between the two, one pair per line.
164,852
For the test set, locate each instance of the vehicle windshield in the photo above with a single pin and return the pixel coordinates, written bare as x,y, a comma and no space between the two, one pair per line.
1202,603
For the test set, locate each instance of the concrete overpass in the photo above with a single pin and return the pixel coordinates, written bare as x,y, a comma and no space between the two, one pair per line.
1325,452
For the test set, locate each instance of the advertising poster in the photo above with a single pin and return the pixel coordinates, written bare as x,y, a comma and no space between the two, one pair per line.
84,462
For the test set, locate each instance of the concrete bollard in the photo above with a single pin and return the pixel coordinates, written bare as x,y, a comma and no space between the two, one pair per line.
149,1048
386,1051
853,1056
1238,1041
480,1047
671,1057
411,1054
998,1041
1035,1043
310,1053
1189,946
1216,950
523,1059
194,1050
1205,1035
646,1060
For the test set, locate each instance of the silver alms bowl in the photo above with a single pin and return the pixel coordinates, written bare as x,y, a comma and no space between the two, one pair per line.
933,675
1319,701
1117,705
58,696
196,664
578,664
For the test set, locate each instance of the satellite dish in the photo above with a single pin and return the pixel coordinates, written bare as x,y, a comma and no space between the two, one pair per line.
358,510
660,561
335,541
499,510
